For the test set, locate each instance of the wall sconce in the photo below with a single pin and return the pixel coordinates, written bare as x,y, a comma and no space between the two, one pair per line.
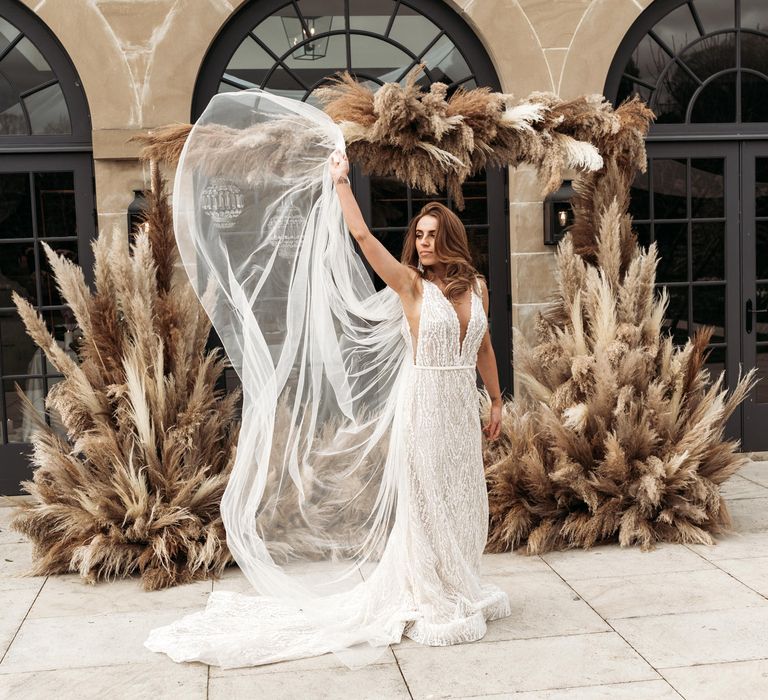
558,213
137,213
298,31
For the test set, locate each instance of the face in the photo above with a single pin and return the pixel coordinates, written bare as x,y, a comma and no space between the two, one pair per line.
426,231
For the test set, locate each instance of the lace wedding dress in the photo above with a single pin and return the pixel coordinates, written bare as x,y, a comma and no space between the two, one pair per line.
357,505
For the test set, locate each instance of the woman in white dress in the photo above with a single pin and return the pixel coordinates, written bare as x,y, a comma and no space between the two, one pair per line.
357,506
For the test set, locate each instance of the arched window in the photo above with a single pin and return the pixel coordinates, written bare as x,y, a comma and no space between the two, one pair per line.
291,48
46,194
703,67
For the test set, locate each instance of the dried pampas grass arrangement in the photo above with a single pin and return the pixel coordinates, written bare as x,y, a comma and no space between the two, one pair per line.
135,485
433,141
619,436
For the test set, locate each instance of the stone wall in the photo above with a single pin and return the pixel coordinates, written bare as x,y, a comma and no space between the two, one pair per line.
139,59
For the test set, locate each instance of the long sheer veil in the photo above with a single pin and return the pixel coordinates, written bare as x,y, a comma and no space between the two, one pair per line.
319,351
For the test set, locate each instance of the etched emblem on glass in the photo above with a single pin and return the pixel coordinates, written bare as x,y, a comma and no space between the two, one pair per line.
223,201
285,230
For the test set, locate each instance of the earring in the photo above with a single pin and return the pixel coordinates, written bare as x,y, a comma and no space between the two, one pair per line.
420,267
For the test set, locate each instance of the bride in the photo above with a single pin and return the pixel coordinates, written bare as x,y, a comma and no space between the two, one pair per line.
356,506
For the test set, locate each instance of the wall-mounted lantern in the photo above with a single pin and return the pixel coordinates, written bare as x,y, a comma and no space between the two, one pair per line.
558,213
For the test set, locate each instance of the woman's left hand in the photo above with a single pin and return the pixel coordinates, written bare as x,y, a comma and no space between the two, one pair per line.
493,429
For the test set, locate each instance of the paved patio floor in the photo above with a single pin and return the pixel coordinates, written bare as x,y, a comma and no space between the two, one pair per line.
680,621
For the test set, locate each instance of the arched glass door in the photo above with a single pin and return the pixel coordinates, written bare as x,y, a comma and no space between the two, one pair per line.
703,67
46,194
291,48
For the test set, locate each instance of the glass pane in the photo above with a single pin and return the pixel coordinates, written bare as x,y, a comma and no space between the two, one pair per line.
709,310
753,15
68,249
445,62
48,113
19,353
761,391
25,66
754,107
389,202
640,197
17,272
643,233
716,14
223,87
629,88
413,30
19,428
669,188
707,187
761,307
672,241
761,250
283,83
15,206
7,33
478,247
12,119
250,63
377,58
716,103
711,55
716,362
647,61
708,250
754,52
676,320
393,242
55,204
370,15
670,101
278,31
475,202
677,29
761,186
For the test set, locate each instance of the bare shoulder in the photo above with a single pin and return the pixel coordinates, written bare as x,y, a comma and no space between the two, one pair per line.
410,288
482,287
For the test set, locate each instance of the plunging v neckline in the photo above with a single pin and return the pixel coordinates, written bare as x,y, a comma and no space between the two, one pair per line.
455,313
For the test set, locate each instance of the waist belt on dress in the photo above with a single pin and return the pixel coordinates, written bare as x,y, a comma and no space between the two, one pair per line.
444,367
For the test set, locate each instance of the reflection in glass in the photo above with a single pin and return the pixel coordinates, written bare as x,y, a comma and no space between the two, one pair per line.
670,101
676,320
709,310
753,15
677,29
17,347
250,63
17,273
370,15
643,232
708,250
14,413
377,58
761,186
711,55
445,62
7,33
640,196
716,362
333,59
707,187
389,202
669,188
413,30
48,112
271,31
761,391
283,83
716,14
761,312
55,196
647,61
50,292
753,103
26,66
716,103
672,242
15,206
12,120
754,56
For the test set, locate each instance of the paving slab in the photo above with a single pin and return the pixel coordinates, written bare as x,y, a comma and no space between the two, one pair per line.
738,487
55,643
736,545
487,668
744,680
755,471
126,682
751,572
379,682
666,593
512,563
686,639
749,514
68,595
8,536
634,690
15,563
612,560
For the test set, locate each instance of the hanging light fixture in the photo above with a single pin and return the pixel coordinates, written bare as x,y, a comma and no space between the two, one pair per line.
301,33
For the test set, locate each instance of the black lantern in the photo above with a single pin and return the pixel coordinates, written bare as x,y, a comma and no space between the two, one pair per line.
300,30
558,213
137,213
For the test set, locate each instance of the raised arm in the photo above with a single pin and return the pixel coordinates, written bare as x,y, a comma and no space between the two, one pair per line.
395,275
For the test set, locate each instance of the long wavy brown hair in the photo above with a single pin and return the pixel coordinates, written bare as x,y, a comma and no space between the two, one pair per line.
451,248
